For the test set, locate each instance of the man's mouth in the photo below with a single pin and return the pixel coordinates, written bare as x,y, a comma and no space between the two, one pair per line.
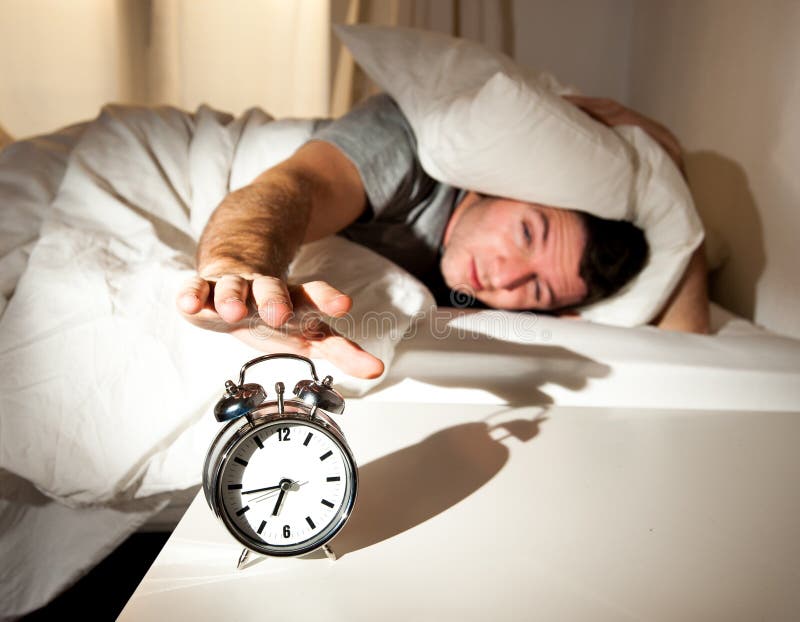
475,281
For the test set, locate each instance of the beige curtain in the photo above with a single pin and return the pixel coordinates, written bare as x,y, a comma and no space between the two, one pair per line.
61,61
487,21
233,54
309,73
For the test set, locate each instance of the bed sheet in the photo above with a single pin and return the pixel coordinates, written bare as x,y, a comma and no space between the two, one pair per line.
465,356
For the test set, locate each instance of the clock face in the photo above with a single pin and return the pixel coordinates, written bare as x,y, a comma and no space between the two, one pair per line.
287,487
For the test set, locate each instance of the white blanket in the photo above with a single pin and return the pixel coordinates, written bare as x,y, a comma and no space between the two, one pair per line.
92,351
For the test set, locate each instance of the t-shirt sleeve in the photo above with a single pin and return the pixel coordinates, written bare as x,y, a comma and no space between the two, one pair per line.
378,139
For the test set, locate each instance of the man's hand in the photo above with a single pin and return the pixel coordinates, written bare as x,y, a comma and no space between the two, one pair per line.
292,317
250,240
612,113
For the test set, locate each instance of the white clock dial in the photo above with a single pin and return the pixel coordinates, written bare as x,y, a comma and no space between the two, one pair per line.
287,486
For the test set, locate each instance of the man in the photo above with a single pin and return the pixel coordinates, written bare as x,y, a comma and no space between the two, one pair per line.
359,176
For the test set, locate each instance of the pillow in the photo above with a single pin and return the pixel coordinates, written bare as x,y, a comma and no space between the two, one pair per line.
486,124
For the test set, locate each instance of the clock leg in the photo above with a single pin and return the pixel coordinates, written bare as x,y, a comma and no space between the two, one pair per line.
243,558
329,552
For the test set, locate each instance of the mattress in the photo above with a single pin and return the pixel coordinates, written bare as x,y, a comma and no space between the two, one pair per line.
498,357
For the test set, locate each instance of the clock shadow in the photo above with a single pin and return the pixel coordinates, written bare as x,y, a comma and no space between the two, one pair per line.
404,489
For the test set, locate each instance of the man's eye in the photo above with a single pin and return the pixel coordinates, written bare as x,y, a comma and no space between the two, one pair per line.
526,234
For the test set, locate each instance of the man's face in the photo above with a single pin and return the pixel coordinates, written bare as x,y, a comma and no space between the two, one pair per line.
514,255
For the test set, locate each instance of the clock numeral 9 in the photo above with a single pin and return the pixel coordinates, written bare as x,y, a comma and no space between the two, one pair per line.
283,434
287,533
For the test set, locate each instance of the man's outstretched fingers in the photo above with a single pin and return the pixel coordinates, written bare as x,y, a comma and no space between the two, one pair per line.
326,342
327,298
350,357
273,300
193,295
230,297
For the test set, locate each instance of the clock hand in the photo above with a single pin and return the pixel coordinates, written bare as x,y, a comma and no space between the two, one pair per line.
262,497
279,503
247,492
294,486
286,484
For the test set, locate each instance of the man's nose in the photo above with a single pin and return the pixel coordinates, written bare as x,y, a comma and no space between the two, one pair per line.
509,274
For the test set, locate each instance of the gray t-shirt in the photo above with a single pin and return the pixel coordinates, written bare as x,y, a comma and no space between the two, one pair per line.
407,209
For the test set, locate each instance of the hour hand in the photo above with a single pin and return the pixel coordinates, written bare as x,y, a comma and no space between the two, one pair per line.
279,502
285,485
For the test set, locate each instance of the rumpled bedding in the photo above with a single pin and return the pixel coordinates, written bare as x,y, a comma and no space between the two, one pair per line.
107,391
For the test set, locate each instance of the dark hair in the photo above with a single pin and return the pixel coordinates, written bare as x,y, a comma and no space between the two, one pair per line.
615,252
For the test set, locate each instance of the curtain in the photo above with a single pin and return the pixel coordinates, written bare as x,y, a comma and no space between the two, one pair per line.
232,54
61,61
316,76
487,21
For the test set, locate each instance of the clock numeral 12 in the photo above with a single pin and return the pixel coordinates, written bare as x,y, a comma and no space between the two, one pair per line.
283,434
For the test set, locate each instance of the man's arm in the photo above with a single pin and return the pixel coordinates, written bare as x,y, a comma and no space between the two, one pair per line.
252,236
256,231
687,308
315,193
612,113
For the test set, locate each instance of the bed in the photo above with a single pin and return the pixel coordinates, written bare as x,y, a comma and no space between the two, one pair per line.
107,391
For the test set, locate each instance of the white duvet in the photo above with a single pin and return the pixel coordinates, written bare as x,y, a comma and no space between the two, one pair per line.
96,366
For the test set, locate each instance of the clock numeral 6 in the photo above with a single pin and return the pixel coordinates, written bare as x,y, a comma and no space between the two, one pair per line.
287,533
283,434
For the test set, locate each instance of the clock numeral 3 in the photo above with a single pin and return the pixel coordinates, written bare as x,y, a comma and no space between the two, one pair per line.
283,434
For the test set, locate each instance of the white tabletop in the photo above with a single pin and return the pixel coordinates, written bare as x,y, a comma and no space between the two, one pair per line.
491,512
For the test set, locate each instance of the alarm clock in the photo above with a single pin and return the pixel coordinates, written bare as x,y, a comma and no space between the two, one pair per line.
280,474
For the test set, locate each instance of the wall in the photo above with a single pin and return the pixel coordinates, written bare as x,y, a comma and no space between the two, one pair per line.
725,76
584,43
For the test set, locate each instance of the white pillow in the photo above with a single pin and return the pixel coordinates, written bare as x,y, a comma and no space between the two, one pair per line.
486,124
